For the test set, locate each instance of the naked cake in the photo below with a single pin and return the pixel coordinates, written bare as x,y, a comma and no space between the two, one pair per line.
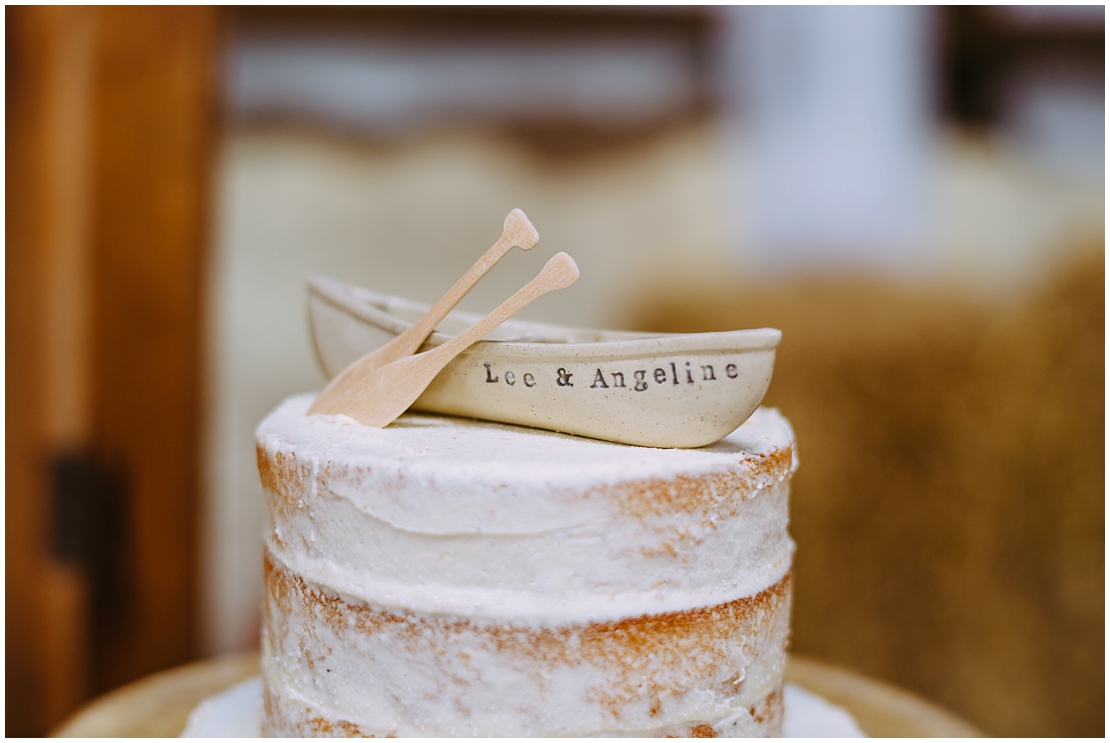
445,576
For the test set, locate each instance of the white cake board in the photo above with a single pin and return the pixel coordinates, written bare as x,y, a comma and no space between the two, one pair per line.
237,713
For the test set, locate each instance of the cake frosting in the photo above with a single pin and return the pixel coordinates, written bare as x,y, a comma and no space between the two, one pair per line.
443,576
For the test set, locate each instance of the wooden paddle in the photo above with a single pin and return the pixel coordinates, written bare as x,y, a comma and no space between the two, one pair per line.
518,232
379,397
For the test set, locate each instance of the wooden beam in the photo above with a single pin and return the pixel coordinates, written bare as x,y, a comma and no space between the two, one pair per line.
111,120
48,209
155,132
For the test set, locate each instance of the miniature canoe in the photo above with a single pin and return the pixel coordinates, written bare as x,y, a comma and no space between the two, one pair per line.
646,389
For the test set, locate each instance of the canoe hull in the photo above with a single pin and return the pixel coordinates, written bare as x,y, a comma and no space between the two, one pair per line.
666,391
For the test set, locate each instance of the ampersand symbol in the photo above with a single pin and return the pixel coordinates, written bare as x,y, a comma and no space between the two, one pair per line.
564,378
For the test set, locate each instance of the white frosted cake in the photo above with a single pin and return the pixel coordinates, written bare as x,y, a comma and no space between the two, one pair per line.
443,577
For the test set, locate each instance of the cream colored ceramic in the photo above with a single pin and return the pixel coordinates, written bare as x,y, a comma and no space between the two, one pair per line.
667,391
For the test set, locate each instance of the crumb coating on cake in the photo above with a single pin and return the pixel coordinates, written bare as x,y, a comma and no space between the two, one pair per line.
443,576
334,667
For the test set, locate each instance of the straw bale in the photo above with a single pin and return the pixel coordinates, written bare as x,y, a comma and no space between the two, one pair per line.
949,506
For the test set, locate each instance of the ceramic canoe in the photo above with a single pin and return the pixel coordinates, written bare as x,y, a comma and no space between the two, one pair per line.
647,389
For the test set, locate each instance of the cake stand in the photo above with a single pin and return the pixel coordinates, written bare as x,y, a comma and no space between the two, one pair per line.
159,705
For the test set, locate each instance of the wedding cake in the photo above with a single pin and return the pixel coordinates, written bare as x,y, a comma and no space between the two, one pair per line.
445,576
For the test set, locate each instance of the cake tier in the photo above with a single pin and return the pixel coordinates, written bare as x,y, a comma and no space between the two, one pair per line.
336,667
443,576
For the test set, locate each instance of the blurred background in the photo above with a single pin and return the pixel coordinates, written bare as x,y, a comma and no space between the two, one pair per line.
915,196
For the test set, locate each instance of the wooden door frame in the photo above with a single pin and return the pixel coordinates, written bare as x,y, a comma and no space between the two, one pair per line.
112,120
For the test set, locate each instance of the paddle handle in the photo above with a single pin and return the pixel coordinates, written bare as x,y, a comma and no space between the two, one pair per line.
559,273
393,388
518,232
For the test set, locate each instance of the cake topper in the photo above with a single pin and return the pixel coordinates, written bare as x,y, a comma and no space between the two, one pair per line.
647,389
517,232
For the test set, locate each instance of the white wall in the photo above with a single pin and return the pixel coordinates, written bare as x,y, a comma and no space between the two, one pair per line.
832,125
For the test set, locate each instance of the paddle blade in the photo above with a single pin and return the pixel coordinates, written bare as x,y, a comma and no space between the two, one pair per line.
520,231
394,388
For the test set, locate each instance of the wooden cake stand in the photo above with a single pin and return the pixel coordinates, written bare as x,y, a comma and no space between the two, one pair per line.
159,705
